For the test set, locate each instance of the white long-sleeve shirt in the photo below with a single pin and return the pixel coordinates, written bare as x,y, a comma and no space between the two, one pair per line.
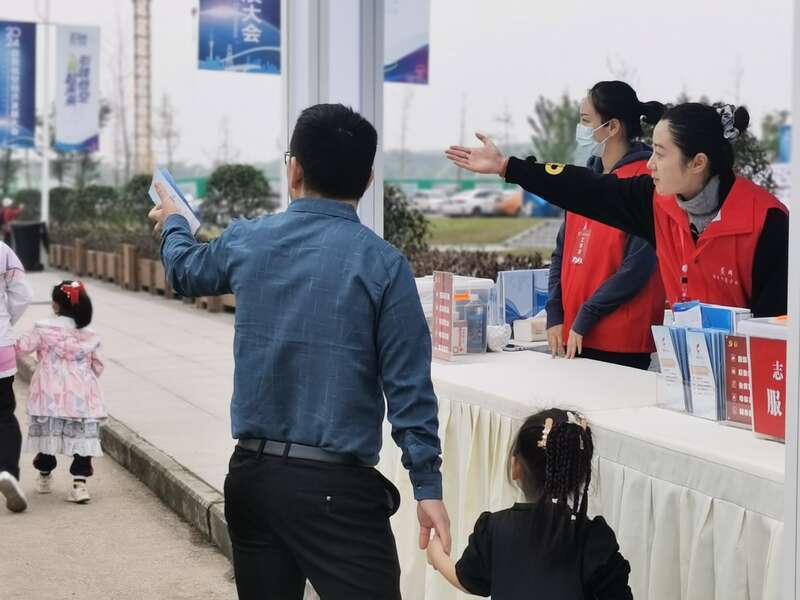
15,294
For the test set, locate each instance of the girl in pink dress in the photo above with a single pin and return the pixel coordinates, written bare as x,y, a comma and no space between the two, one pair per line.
65,404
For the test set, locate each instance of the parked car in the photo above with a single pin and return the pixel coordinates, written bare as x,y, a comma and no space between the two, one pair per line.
472,202
429,201
510,205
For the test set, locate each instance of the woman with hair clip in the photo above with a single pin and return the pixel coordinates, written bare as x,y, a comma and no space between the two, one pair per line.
547,546
719,238
605,290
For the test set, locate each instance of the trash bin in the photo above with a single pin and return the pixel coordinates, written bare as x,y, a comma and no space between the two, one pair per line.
27,240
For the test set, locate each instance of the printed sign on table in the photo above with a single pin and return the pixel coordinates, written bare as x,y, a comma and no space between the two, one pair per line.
768,364
739,408
443,314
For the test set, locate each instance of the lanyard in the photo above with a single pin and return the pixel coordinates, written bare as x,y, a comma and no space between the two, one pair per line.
684,269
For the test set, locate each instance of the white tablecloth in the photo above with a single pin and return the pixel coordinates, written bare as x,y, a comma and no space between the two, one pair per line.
697,507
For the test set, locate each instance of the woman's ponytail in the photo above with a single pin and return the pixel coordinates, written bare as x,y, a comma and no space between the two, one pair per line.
652,111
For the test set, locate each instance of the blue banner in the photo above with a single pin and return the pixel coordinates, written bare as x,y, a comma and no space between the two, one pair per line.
17,84
240,35
785,144
407,41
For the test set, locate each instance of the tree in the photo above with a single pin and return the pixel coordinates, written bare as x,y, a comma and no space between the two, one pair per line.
86,164
770,132
133,203
60,166
26,161
30,199
9,166
60,204
82,166
553,127
405,119
91,205
226,153
620,69
123,151
751,162
403,226
462,132
167,132
236,191
506,121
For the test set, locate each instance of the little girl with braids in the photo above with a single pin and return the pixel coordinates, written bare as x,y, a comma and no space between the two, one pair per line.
546,547
65,405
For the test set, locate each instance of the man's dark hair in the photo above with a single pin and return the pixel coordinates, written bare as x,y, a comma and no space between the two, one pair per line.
336,148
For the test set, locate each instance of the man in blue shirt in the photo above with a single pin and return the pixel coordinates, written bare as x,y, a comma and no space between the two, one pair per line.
328,321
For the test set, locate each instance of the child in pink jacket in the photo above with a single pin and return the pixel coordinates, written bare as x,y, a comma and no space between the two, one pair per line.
65,404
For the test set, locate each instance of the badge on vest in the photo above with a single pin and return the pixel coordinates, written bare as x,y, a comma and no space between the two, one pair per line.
582,244
554,168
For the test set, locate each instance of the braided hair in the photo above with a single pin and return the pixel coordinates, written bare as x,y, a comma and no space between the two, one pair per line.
554,450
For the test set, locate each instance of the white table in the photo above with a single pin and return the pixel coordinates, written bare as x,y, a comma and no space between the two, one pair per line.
697,506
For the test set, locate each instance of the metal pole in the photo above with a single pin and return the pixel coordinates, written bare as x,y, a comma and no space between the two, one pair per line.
301,33
791,511
371,38
142,100
45,183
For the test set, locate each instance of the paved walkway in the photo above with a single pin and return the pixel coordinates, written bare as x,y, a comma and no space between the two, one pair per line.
169,371
124,545
542,235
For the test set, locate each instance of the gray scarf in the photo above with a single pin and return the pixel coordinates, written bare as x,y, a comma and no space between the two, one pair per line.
703,208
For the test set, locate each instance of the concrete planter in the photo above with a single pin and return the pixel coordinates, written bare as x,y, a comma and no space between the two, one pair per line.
129,276
211,303
67,253
160,280
146,270
79,258
58,250
92,263
111,271
229,301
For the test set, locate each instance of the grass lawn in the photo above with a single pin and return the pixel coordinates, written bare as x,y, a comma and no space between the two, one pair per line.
477,230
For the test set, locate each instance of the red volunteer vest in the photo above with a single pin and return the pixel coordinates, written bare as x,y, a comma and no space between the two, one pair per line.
718,269
593,252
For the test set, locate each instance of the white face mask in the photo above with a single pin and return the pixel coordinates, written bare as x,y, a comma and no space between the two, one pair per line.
587,146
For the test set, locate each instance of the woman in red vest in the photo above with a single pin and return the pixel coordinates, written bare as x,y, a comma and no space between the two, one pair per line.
604,284
719,238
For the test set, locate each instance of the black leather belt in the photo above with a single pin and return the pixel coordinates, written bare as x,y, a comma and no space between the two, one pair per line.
290,450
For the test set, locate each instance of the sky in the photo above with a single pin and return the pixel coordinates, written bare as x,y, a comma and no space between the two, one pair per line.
486,56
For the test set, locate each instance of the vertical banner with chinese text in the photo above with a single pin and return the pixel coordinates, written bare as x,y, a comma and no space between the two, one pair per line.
407,41
17,84
77,98
240,35
768,369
